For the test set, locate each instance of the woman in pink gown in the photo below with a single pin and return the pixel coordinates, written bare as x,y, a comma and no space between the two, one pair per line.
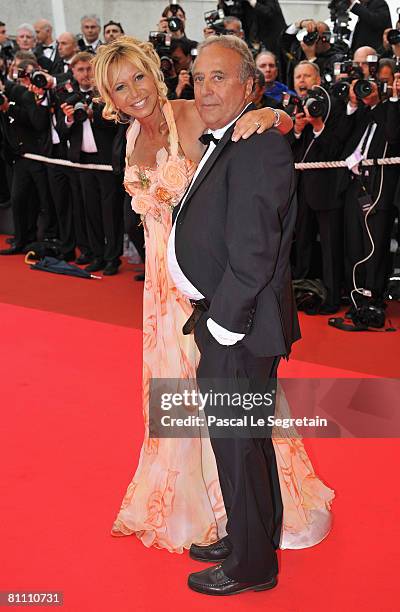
174,498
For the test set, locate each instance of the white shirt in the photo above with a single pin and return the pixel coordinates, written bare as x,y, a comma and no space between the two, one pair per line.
88,141
356,155
222,335
50,52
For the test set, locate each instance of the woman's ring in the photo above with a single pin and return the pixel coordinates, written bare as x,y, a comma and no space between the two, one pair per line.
258,125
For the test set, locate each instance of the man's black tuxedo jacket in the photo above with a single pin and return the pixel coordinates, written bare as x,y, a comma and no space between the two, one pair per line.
233,239
373,19
320,186
103,131
385,132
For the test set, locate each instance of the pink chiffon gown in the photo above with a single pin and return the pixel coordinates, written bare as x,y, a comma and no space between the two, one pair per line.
174,498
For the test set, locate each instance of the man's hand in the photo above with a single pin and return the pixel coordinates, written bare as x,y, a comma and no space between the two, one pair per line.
353,101
307,24
163,25
208,32
252,2
6,104
68,111
183,81
300,122
316,122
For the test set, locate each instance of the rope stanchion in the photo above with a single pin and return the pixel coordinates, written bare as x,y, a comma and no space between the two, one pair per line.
387,161
66,162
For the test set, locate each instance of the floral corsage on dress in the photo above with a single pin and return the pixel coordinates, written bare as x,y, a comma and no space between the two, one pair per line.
156,190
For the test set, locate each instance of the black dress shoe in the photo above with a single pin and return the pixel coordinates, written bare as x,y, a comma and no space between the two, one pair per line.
212,553
83,259
13,250
96,265
213,581
10,240
5,204
139,277
111,268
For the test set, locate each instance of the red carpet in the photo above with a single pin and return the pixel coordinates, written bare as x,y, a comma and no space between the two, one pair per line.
70,437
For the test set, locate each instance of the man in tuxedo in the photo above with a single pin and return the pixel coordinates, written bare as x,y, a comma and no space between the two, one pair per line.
319,208
90,139
229,253
46,46
373,133
90,28
373,19
67,47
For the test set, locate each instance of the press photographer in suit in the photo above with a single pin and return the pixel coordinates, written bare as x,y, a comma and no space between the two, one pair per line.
25,130
319,208
90,140
373,134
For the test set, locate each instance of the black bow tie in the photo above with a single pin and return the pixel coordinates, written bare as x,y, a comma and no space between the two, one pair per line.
205,139
48,47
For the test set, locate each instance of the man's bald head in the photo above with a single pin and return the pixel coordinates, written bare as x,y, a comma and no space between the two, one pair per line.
44,31
361,57
67,45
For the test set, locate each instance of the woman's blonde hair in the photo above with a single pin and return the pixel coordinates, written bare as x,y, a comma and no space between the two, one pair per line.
124,49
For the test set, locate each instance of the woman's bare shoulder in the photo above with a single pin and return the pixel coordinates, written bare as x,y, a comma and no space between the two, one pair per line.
190,127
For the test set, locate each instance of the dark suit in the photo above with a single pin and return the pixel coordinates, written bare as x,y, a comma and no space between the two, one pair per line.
101,190
25,129
373,19
233,239
372,274
319,207
264,23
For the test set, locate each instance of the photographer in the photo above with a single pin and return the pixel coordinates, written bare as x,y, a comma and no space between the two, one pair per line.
373,19
90,139
181,54
262,20
315,47
319,210
230,25
368,190
25,130
173,20
391,43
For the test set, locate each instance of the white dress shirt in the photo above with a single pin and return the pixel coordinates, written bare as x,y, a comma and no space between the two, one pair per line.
222,335
50,52
356,156
88,140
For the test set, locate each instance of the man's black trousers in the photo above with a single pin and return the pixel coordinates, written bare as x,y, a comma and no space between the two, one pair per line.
246,466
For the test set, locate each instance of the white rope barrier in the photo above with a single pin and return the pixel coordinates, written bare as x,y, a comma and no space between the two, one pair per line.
66,162
389,161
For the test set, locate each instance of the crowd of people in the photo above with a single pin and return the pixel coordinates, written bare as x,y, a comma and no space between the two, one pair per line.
341,89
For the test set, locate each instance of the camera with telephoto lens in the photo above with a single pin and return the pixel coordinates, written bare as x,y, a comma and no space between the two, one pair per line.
393,37
341,88
161,42
316,102
310,38
215,21
80,100
175,23
37,77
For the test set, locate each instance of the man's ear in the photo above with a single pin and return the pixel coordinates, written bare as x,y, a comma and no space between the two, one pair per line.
249,86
